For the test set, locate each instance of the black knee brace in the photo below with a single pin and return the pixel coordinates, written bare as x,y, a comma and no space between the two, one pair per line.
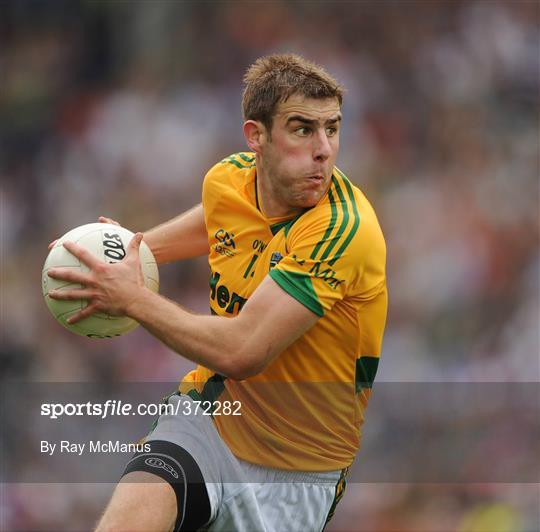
177,467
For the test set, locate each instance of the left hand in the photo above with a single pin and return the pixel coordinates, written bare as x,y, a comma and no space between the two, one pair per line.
109,288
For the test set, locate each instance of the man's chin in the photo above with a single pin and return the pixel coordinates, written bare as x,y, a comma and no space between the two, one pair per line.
310,200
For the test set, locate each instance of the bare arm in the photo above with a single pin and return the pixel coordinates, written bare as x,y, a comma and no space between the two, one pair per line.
182,237
237,347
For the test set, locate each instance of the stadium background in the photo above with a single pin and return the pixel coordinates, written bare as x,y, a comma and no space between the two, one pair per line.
119,108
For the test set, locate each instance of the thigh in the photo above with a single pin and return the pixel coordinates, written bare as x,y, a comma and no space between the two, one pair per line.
196,433
162,489
177,468
175,483
140,502
187,427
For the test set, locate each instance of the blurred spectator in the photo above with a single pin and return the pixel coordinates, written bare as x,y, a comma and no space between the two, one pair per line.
119,109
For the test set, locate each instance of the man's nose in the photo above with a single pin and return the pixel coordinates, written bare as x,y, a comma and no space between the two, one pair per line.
321,146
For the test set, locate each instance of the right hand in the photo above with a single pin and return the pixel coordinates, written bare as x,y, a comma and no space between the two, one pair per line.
101,219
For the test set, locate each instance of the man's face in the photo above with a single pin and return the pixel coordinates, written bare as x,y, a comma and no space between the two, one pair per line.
297,161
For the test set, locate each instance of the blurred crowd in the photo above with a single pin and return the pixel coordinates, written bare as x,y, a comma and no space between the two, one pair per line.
119,109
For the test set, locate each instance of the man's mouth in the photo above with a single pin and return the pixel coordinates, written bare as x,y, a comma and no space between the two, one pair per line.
315,182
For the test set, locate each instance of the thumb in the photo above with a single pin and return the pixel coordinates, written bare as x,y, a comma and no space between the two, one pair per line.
134,244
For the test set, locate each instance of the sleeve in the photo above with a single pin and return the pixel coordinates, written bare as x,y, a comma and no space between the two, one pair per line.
322,265
211,190
333,255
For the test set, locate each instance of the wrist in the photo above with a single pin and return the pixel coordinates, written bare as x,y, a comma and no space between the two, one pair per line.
138,303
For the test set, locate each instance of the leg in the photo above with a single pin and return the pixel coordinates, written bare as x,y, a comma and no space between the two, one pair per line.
162,489
140,502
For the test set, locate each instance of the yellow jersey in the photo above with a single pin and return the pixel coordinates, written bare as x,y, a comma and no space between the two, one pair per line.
305,409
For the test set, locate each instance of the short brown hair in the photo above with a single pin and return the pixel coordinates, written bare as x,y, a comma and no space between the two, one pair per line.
273,79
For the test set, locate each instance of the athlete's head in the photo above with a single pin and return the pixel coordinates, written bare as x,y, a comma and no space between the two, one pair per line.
292,118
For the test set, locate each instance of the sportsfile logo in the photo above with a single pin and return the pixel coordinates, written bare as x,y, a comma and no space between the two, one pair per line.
158,463
225,243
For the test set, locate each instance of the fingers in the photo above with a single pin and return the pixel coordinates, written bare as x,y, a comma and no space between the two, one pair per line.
68,274
82,254
74,293
105,220
134,244
84,313
102,219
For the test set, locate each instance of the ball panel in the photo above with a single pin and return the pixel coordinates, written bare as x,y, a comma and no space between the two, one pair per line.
59,308
98,326
152,284
61,258
108,243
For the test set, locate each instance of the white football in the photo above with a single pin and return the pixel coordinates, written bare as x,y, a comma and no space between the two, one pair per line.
108,242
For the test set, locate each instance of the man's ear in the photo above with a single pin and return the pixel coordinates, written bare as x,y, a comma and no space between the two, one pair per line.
255,134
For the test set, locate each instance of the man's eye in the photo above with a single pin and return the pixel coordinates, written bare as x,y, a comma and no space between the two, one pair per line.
331,131
302,131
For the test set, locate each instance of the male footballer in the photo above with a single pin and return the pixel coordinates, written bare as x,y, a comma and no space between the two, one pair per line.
270,419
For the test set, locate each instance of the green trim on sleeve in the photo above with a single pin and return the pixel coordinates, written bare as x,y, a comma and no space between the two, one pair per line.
299,286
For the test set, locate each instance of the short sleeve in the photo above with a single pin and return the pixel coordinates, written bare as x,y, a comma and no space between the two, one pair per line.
313,277
335,250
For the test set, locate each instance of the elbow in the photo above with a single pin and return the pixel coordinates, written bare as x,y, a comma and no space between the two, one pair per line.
242,367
